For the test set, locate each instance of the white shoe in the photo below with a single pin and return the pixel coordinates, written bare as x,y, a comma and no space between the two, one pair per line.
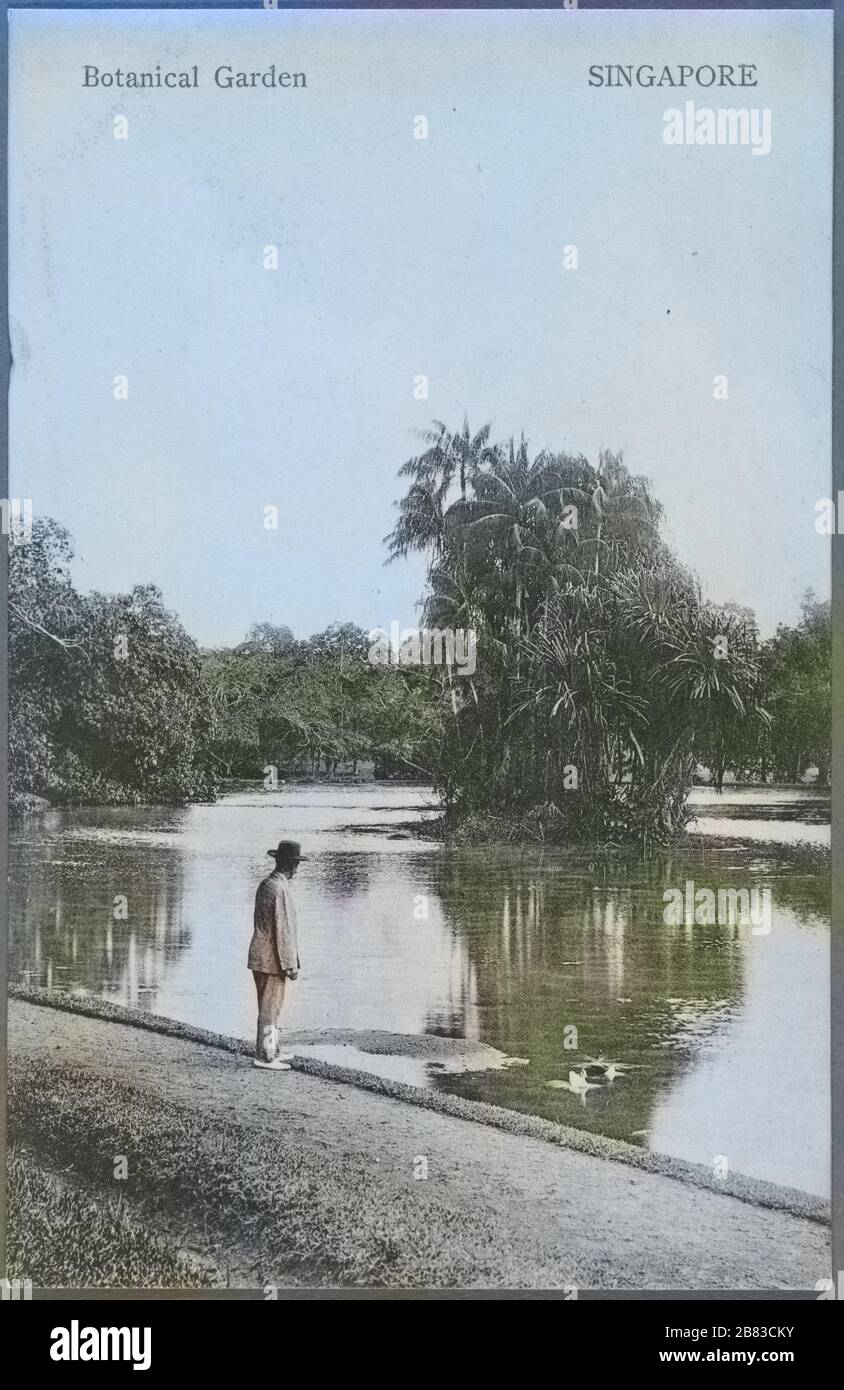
275,1065
284,1056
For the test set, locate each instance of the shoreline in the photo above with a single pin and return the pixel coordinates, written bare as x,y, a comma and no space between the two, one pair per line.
754,1191
142,1159
431,826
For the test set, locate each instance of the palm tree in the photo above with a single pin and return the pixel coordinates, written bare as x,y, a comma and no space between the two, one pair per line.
447,460
594,647
510,515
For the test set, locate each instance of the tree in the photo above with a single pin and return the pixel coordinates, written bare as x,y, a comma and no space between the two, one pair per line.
316,705
600,674
106,700
267,637
797,664
450,460
44,652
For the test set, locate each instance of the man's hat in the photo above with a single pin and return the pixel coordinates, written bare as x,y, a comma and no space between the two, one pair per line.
288,849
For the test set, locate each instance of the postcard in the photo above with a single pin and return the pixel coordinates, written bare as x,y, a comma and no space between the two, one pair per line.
419,520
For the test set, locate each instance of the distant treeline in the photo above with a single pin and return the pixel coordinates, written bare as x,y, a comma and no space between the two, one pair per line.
595,653
318,705
112,701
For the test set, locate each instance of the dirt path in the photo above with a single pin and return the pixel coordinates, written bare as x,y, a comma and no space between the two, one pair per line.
496,1209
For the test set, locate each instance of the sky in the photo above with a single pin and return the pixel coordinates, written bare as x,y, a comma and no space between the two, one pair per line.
397,258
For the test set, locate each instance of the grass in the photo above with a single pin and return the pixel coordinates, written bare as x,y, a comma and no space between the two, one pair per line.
61,1237
266,1204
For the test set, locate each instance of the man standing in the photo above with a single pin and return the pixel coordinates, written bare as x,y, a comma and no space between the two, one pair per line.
274,951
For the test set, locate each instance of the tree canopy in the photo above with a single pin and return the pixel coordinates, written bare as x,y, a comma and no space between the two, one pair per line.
602,676
602,679
106,697
318,703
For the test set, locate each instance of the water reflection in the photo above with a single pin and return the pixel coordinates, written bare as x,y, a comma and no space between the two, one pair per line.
101,912
548,956
564,968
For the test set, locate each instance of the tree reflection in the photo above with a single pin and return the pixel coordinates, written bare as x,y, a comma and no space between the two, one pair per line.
98,909
568,957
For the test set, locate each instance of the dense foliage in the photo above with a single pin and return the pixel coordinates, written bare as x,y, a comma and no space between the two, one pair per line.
318,704
111,701
106,698
797,667
603,679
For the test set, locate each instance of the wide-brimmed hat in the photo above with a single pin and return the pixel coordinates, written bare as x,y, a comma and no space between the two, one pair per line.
288,849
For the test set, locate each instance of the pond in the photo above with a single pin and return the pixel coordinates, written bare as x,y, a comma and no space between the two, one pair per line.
546,956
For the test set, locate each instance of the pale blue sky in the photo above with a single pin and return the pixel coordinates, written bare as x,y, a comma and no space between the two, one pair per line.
400,257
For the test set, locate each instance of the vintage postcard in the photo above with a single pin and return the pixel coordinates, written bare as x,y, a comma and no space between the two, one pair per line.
419,521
